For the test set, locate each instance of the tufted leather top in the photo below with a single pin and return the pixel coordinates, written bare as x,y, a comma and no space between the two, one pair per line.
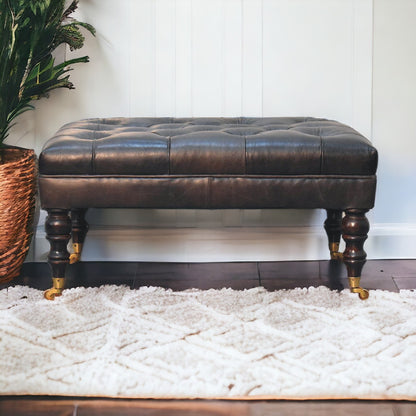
208,146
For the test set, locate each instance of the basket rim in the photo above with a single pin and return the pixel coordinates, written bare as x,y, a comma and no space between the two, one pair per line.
15,156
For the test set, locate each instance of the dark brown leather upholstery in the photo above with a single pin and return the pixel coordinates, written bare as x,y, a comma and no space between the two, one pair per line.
208,163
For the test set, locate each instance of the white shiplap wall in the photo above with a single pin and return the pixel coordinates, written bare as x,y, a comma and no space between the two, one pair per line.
219,58
229,57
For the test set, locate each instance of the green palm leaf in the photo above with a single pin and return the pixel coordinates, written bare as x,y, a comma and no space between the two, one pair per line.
30,31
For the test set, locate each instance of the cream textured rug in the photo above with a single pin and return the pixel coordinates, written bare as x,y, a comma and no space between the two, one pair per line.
155,343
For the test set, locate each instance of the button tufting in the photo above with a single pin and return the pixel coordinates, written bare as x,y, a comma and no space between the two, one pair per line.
215,146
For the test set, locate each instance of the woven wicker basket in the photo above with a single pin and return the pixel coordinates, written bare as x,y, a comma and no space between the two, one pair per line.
18,174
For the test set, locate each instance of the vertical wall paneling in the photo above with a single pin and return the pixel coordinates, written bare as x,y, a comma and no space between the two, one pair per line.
183,58
207,57
101,84
252,58
308,58
142,84
232,50
394,121
363,66
165,48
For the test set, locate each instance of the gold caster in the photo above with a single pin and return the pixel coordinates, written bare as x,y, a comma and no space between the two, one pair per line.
356,288
334,250
58,284
75,257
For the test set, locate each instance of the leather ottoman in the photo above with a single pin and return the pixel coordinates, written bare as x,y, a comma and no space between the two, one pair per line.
207,163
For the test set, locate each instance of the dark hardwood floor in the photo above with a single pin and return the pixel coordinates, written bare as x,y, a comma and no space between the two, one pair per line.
391,275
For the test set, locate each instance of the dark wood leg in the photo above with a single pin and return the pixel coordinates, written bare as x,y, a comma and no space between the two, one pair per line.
332,227
355,228
79,231
58,230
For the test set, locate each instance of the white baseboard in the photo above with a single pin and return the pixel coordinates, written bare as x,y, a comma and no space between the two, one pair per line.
226,244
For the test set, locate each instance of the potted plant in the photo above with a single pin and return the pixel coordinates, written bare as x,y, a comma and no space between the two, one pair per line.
30,32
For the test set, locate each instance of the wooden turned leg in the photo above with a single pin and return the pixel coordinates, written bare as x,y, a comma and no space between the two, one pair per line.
79,231
58,229
355,228
332,227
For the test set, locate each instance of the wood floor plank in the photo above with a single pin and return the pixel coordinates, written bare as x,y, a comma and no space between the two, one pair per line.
406,282
36,407
93,274
289,270
319,408
178,276
289,275
404,409
162,408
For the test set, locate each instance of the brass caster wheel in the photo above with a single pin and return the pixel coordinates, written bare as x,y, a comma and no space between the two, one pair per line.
336,255
56,290
355,287
363,294
75,257
50,294
334,250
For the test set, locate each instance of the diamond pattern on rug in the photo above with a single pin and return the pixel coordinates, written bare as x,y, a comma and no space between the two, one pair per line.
153,342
